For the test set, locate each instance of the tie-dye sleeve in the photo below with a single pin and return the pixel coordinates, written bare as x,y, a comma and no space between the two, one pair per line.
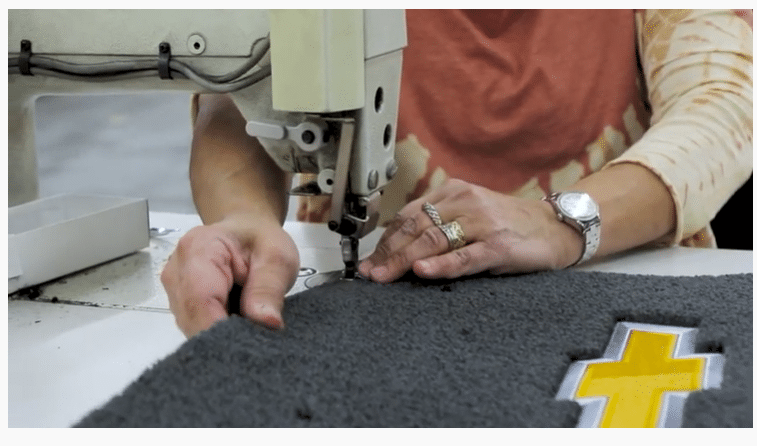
698,71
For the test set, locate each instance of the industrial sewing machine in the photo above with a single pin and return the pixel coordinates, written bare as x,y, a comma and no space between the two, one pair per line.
319,88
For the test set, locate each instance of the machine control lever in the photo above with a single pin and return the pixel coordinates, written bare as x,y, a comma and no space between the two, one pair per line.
309,135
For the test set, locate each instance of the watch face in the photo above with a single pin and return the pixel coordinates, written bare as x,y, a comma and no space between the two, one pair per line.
578,205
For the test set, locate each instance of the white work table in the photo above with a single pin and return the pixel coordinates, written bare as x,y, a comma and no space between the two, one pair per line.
90,334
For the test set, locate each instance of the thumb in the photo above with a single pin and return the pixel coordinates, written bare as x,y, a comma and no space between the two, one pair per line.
269,278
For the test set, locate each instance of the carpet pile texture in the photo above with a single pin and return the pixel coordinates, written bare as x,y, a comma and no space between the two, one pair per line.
479,352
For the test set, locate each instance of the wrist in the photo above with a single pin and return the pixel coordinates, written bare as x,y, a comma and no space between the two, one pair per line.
572,244
567,244
244,223
579,213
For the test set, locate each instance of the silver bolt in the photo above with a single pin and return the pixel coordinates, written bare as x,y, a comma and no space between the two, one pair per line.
372,179
391,169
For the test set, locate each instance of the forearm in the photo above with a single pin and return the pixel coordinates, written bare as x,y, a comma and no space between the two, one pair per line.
699,144
230,172
635,206
670,184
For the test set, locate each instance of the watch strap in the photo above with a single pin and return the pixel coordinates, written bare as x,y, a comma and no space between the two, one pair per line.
589,228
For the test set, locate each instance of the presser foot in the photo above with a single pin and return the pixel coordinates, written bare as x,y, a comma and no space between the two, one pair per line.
338,275
349,248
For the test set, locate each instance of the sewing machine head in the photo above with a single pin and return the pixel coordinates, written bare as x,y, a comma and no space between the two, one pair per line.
340,94
319,88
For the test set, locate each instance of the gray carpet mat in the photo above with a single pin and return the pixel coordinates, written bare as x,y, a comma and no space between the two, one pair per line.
479,352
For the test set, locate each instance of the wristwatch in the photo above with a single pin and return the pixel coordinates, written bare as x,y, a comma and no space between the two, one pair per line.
580,212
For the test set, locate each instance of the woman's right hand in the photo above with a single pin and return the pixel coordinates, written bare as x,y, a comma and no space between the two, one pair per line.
208,260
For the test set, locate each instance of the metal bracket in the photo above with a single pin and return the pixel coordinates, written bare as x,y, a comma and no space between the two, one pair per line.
24,57
164,57
366,225
341,174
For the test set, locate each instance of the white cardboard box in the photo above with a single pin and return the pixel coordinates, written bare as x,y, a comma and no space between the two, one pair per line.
51,237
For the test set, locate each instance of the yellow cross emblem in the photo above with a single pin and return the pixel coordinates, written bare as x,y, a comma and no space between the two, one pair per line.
643,379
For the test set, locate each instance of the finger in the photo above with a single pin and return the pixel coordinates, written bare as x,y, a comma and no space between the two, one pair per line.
230,253
202,294
408,225
471,259
400,231
197,278
269,278
408,229
431,242
409,220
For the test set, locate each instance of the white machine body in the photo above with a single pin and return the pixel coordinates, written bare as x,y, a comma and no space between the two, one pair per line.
329,106
327,66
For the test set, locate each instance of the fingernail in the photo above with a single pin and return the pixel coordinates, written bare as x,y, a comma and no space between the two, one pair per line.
268,317
272,321
423,265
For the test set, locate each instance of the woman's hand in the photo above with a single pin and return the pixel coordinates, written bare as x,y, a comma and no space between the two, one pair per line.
504,234
208,261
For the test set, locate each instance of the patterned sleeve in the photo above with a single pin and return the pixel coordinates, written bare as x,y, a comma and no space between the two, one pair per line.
698,71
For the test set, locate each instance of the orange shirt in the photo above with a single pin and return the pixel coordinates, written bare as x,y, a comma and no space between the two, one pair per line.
511,100
529,102
499,97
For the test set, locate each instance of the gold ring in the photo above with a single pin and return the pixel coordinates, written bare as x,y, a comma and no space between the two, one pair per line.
432,213
454,233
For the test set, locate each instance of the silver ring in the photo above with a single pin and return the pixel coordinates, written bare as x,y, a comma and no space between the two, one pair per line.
454,233
432,213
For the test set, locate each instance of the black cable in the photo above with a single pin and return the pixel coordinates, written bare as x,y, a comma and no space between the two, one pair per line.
255,57
176,67
78,77
228,87
128,69
96,69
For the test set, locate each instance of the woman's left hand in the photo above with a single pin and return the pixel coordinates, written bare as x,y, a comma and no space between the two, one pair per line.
503,234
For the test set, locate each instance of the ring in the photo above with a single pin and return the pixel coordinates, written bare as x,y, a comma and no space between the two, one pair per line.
432,213
454,233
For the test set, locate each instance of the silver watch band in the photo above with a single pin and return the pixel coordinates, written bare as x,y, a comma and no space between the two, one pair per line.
591,241
588,226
